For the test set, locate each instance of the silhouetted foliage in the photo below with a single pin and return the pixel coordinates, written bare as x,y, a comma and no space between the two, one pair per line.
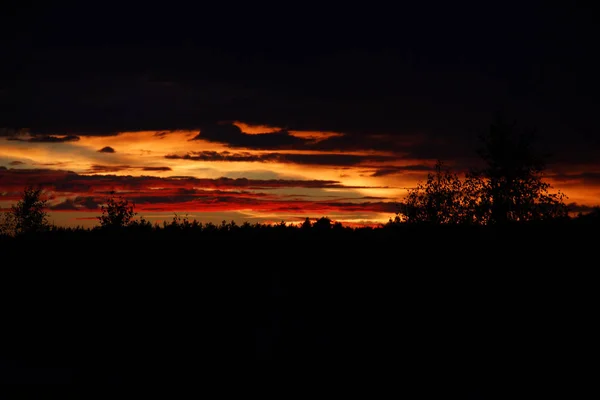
439,201
28,216
323,224
6,224
306,225
184,229
511,185
141,225
281,226
181,223
510,188
116,213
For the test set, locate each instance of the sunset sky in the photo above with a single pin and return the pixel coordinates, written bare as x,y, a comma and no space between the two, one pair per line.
232,114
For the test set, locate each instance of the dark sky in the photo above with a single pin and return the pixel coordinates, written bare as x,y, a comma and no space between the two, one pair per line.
434,68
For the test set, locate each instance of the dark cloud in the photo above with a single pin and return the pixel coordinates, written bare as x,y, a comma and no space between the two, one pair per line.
385,172
362,142
233,136
400,169
79,203
53,164
588,178
379,206
46,139
68,181
86,192
200,198
295,158
16,162
9,132
156,169
88,202
581,208
105,169
410,144
106,149
67,205
332,159
362,73
54,139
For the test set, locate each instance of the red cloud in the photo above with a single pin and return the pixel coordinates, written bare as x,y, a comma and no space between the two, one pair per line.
70,191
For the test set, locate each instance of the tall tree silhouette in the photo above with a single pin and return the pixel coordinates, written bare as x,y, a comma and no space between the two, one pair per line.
29,214
510,184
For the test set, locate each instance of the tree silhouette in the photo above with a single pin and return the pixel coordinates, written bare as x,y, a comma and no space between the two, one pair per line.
29,215
306,225
440,200
510,186
116,213
323,224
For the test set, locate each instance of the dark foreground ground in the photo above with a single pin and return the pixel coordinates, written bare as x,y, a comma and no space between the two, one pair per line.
468,321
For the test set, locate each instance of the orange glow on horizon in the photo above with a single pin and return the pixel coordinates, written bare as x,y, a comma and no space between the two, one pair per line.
366,181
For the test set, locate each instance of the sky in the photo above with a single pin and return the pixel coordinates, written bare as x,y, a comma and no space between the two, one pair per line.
281,112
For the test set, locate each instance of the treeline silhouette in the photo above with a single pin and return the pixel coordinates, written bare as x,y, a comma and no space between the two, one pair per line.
322,228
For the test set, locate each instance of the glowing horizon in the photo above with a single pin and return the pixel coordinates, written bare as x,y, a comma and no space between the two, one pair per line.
249,173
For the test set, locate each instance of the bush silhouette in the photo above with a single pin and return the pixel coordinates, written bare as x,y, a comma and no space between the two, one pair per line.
439,200
116,213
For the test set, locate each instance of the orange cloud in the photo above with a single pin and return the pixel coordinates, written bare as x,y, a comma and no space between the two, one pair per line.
255,129
315,135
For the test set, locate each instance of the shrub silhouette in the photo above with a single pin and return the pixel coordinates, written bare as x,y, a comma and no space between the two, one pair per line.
438,201
116,213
